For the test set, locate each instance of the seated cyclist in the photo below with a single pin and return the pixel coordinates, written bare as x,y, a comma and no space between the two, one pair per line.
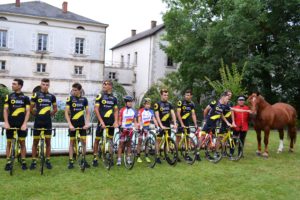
127,118
145,116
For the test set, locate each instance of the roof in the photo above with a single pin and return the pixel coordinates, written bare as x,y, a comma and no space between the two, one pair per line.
41,9
139,36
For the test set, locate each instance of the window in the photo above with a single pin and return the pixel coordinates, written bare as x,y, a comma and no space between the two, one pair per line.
2,64
128,60
135,58
79,44
78,70
43,23
122,61
41,67
3,38
112,75
80,27
42,42
3,18
170,62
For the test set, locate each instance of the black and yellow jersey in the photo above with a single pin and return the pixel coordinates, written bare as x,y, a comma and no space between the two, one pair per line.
77,106
164,110
17,103
106,103
186,109
216,111
43,103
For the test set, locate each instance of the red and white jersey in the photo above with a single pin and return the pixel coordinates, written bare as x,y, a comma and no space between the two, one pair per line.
146,117
127,116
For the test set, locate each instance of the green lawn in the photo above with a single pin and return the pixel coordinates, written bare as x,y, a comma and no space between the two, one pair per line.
250,178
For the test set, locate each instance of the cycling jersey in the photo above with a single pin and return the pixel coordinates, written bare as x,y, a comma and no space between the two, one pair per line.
43,103
164,110
127,116
186,108
77,106
106,103
227,115
16,104
146,116
213,116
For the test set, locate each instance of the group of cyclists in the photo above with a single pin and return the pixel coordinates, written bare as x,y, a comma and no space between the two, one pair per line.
42,106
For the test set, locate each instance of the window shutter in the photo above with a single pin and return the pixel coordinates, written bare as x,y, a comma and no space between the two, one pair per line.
51,43
72,45
11,39
87,50
33,42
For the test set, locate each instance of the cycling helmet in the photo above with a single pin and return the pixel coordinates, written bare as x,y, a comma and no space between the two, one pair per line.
128,98
146,100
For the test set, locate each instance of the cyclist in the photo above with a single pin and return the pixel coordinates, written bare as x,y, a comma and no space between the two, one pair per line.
164,112
106,110
76,109
185,111
43,107
127,118
145,116
16,114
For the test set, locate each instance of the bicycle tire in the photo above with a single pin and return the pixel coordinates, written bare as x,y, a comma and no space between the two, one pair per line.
42,155
12,156
150,151
81,159
107,152
188,152
212,152
236,152
131,156
171,156
99,154
75,150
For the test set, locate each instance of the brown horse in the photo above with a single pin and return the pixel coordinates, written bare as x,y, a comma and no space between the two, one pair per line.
267,117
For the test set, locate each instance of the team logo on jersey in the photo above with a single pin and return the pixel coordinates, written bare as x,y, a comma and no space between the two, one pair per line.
13,101
213,102
103,101
33,96
68,99
74,105
155,106
179,103
40,100
6,98
183,107
161,109
98,97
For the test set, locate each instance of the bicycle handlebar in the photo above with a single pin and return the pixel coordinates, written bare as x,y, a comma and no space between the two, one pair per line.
44,129
13,128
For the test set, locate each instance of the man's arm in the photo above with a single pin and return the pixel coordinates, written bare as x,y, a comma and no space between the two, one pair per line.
158,119
178,112
194,117
206,110
54,109
96,110
27,115
5,116
32,110
67,116
174,118
116,113
87,118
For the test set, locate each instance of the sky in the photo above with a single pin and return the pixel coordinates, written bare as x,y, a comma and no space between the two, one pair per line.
121,15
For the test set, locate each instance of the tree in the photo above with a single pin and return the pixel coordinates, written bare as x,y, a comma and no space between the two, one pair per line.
265,34
231,79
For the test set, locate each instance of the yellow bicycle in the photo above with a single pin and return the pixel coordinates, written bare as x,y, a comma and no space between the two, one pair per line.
187,146
169,147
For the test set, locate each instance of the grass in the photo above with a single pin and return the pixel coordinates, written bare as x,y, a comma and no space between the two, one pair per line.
277,177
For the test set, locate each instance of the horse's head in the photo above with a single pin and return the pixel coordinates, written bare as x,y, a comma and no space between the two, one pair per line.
254,100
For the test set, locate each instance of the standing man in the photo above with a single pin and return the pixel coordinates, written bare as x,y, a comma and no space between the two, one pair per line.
106,109
76,108
185,111
16,115
164,112
43,107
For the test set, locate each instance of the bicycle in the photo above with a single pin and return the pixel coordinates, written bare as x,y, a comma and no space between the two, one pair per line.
170,148
77,148
105,148
233,146
129,146
209,143
187,146
148,145
41,146
15,149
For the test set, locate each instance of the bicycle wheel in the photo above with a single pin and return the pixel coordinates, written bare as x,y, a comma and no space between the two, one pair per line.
234,149
75,150
213,150
12,156
81,159
150,151
129,157
18,150
42,155
107,154
170,151
188,150
99,148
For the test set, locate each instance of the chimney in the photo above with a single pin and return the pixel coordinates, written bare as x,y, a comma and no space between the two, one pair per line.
133,32
153,24
18,3
65,7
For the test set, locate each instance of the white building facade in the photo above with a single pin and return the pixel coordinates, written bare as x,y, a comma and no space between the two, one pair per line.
38,41
138,61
